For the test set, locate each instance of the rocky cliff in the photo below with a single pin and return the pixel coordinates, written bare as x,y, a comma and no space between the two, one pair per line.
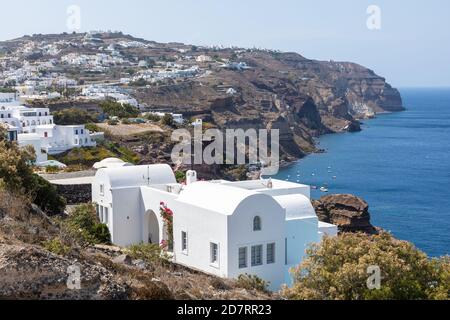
303,98
348,212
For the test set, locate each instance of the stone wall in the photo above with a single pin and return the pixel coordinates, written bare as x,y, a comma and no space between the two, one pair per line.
75,193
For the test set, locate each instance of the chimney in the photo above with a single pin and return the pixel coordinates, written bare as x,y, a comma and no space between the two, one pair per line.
191,176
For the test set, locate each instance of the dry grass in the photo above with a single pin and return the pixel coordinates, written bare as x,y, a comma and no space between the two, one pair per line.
130,129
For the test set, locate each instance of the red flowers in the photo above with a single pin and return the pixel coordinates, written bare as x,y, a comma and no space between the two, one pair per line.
167,215
164,244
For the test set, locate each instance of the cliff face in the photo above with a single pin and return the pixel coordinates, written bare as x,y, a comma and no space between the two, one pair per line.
348,212
303,98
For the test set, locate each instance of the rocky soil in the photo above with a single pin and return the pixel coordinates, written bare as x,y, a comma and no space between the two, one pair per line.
29,271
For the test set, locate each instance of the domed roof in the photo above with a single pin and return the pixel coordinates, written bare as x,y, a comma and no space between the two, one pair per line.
296,206
218,197
130,176
110,163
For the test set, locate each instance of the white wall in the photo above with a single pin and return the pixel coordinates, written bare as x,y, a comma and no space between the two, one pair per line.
202,227
300,233
241,234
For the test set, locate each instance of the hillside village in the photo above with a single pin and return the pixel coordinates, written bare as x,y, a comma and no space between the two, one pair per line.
222,87
98,110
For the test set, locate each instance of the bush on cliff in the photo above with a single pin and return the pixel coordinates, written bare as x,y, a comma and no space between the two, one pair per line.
337,269
74,116
84,225
16,175
116,109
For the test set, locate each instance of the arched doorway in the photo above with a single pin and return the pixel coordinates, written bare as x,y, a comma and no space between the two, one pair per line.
153,228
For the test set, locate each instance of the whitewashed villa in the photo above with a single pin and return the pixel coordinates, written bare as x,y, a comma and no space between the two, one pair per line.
35,126
219,227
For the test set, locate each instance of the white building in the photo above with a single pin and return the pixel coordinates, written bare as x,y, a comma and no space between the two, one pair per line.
177,117
35,126
219,227
203,58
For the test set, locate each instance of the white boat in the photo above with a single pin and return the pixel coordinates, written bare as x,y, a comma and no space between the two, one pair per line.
323,189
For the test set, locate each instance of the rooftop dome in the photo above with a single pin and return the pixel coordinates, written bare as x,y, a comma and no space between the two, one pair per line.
296,206
110,163
130,176
218,197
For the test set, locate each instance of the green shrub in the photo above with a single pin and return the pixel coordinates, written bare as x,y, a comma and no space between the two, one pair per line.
45,195
337,269
16,175
92,127
56,246
150,253
115,109
105,149
52,169
84,225
74,116
252,282
167,120
153,117
180,176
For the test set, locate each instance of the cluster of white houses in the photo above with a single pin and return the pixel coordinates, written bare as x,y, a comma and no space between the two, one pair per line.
220,227
35,127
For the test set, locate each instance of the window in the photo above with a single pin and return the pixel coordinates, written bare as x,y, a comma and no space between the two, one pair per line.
76,141
257,255
101,214
257,223
102,189
45,135
106,216
270,253
76,131
214,252
242,257
82,131
184,243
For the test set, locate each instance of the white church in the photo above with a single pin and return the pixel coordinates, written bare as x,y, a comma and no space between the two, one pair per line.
220,227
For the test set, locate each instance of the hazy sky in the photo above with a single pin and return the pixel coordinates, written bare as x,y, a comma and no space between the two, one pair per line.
412,48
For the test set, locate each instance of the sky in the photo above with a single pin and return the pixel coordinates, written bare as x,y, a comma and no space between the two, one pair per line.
410,49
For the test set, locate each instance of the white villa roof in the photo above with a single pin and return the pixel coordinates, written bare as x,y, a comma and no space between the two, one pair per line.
215,196
296,206
130,176
110,163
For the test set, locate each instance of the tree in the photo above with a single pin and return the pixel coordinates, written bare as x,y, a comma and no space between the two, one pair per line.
74,116
116,109
167,120
84,225
337,269
16,175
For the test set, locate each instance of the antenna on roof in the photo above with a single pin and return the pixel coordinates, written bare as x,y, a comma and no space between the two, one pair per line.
148,176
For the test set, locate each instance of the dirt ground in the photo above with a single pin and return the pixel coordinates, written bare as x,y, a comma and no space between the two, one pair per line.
130,129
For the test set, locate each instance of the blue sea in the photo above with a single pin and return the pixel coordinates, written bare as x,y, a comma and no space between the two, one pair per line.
399,163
